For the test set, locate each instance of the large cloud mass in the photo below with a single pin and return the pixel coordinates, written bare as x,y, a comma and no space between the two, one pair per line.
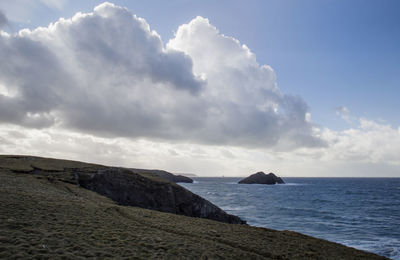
244,102
108,74
103,87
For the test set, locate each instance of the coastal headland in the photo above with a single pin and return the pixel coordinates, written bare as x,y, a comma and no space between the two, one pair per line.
65,209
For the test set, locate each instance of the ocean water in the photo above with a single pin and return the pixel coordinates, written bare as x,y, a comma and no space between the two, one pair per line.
359,212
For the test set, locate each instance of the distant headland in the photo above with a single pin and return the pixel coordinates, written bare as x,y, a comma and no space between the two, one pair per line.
68,209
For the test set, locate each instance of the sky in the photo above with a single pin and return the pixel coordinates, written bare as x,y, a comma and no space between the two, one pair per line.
299,88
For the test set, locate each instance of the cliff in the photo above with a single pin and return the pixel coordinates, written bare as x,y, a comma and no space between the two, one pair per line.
164,175
124,186
45,214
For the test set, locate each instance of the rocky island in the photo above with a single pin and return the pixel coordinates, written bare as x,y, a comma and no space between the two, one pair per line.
262,178
58,209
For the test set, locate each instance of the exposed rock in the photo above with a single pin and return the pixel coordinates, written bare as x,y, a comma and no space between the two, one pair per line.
51,219
262,178
131,189
189,175
165,175
124,186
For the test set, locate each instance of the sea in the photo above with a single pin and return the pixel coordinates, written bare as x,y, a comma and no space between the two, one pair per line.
363,213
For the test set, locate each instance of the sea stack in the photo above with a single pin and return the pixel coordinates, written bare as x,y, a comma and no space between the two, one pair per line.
262,178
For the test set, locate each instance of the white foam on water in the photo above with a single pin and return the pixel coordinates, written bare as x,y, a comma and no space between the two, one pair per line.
292,184
237,208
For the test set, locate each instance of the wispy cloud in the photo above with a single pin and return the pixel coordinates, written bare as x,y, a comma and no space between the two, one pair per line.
58,4
344,113
23,11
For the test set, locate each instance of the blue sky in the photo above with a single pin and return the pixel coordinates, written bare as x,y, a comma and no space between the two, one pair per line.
332,53
200,102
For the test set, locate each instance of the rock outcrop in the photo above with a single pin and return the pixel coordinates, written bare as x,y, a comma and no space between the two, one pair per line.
44,216
165,175
122,185
262,178
131,189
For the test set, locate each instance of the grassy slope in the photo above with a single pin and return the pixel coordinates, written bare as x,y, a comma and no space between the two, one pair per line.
43,217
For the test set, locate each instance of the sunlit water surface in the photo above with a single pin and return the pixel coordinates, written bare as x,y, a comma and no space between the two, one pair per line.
359,212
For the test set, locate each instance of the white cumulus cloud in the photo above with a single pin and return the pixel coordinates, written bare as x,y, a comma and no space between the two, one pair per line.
102,87
370,142
245,104
107,73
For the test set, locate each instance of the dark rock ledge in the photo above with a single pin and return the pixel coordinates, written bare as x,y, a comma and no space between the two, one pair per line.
139,188
130,189
165,175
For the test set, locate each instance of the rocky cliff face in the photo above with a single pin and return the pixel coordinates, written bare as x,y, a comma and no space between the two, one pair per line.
131,189
122,185
165,175
262,178
44,214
